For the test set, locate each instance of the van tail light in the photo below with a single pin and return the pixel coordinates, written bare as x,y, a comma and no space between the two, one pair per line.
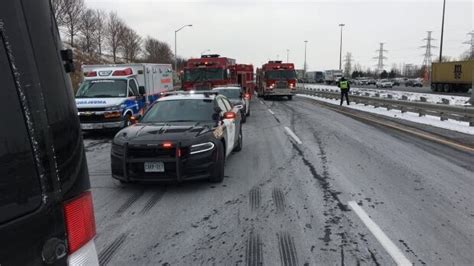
80,221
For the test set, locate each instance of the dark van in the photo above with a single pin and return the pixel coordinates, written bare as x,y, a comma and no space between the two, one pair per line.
46,212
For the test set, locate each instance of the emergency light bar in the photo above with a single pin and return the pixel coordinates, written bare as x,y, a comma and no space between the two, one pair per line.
124,72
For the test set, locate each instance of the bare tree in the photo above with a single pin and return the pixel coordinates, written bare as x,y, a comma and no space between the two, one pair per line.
131,44
156,51
101,20
58,10
71,17
115,30
88,28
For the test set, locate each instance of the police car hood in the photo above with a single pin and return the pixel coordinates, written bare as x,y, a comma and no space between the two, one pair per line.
97,102
180,131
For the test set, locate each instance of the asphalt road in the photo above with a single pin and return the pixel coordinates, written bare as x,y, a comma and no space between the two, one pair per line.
285,199
413,89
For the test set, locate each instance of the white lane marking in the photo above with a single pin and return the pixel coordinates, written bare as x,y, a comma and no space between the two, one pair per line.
293,135
271,112
390,247
262,102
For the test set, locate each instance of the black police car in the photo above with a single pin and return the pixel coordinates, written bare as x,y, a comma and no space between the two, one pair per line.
181,137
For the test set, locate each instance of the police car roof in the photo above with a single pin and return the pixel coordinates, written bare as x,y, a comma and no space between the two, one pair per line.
188,96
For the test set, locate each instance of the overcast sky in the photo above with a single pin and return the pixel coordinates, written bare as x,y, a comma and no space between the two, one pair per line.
255,31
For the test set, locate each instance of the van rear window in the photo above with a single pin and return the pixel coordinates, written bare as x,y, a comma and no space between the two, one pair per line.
20,191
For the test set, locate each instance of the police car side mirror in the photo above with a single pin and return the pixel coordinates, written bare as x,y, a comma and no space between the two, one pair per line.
141,90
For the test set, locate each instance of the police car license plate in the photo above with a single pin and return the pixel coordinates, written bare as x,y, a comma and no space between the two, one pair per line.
153,167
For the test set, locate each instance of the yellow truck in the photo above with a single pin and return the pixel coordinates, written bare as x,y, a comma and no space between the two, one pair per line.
453,76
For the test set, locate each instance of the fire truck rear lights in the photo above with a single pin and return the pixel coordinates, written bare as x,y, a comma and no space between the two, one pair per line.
124,72
80,221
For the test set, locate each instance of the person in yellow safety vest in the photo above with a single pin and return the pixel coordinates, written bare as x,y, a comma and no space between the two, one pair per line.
344,85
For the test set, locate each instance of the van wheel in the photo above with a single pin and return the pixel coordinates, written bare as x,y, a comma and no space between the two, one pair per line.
290,97
217,175
248,113
127,121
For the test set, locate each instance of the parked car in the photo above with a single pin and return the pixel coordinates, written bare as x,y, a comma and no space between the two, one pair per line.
384,83
413,83
371,82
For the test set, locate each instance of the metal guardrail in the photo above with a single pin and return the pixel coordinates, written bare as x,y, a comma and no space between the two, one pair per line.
443,111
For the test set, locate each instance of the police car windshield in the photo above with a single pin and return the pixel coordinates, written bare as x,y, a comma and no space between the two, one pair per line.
180,111
202,74
107,88
280,74
230,93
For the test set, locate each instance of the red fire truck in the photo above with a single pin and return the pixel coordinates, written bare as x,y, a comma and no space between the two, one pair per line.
276,79
207,72
243,75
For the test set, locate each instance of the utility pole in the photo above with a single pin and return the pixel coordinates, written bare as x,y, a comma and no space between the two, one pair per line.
442,34
380,58
287,55
428,56
304,67
340,48
348,64
471,42
176,47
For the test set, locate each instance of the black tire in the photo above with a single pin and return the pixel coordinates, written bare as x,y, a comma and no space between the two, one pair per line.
447,88
217,175
243,117
238,147
248,113
127,120
290,97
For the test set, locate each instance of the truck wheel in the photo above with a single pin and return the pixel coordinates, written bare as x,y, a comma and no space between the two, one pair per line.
447,88
290,97
439,87
217,174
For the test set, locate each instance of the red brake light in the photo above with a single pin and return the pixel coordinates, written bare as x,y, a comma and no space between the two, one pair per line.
247,96
229,115
124,72
80,221
90,74
167,145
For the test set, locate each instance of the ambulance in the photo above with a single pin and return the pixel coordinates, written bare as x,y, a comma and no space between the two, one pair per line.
110,95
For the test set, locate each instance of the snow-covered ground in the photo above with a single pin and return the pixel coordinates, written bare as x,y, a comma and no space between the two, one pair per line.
435,121
398,95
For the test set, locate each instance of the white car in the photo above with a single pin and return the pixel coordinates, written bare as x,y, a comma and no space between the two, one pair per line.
384,83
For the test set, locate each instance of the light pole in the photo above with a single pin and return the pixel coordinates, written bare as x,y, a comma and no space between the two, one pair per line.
304,67
176,45
287,55
442,33
340,48
207,50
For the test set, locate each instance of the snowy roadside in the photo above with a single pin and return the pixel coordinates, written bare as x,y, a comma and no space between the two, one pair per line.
397,95
435,121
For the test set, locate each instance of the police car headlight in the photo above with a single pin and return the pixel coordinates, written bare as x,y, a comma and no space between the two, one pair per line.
202,147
